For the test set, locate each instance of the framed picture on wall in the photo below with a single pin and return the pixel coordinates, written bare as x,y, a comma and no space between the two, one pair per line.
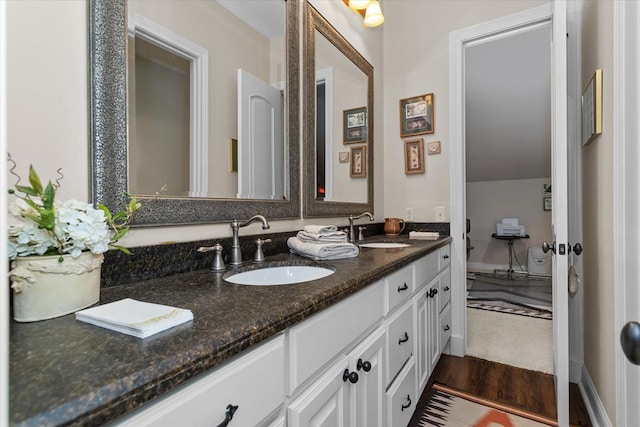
354,125
592,108
414,156
416,115
358,166
546,203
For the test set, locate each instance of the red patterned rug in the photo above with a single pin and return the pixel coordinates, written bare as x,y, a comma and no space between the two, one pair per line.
447,407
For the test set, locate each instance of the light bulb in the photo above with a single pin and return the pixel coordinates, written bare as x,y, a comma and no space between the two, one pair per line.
374,16
359,4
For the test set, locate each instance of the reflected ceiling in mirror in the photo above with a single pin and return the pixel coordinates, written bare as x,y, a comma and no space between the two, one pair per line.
338,129
208,122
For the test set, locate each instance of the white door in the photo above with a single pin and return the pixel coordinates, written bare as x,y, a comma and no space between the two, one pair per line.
626,203
559,165
260,139
367,395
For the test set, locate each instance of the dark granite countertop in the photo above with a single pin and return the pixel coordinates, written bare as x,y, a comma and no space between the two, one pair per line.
65,372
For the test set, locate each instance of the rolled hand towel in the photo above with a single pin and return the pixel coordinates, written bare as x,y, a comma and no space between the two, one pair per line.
321,252
320,229
331,237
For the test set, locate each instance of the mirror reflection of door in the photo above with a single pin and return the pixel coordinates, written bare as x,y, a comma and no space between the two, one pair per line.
220,37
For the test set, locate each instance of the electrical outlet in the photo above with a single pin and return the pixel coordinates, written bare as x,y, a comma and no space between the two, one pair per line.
408,214
440,214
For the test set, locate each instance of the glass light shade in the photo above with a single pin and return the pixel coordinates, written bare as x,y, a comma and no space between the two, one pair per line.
359,4
374,16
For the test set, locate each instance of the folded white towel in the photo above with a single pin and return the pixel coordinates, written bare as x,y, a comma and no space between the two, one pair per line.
424,235
331,237
324,251
320,229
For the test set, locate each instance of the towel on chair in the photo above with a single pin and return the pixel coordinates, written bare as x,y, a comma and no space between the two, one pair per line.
328,237
320,229
322,251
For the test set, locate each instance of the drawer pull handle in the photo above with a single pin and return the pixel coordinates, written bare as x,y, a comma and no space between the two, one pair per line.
446,288
403,407
352,377
228,416
405,338
432,293
365,366
446,327
403,287
446,257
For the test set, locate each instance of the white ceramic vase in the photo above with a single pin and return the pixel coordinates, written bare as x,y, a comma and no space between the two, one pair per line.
45,287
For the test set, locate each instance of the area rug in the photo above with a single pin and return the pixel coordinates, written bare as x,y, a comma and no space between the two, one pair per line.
447,407
524,342
509,308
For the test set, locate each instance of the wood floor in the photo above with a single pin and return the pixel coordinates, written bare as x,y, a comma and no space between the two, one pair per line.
528,390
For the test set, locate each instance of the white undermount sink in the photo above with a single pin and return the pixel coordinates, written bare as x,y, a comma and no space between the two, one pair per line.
384,245
283,275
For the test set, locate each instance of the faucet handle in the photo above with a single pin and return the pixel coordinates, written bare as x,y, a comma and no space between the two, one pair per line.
259,256
218,263
360,234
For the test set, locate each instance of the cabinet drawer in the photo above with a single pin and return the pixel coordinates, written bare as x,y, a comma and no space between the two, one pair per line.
401,396
426,269
445,289
317,340
400,337
204,401
445,326
444,257
399,287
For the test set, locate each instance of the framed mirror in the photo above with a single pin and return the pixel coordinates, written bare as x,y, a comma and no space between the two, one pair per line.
210,169
338,122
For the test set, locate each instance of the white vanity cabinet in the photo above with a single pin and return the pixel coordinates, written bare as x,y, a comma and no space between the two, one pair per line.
254,383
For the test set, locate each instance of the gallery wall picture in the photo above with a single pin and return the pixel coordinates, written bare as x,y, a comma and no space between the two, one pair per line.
343,157
433,147
592,108
416,115
354,125
414,156
358,166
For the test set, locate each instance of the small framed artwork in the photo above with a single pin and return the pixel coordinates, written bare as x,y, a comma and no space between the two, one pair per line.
343,157
546,189
416,115
546,203
592,108
358,166
354,125
414,156
233,155
433,147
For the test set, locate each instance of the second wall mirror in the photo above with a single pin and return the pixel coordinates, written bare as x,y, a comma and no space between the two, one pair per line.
338,122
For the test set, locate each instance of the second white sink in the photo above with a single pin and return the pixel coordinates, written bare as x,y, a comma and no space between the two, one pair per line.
284,275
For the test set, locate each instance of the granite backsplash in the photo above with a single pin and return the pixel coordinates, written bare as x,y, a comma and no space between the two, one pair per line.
152,262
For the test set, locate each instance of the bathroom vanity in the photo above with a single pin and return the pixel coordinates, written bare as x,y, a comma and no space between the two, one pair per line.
359,344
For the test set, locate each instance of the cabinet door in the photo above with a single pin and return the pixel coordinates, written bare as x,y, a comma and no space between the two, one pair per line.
421,349
368,361
326,403
433,326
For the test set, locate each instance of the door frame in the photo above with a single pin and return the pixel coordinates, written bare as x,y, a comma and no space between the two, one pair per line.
626,203
457,41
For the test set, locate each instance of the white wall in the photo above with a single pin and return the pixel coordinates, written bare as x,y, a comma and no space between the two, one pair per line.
490,201
597,190
47,104
416,47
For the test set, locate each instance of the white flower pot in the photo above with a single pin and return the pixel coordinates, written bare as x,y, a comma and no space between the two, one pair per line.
44,288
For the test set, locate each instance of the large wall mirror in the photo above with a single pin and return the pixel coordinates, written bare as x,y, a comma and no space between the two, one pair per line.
194,108
338,122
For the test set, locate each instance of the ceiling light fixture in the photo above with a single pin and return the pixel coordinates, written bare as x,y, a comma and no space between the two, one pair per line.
373,16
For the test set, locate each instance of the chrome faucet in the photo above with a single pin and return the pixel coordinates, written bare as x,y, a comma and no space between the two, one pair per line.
352,233
235,256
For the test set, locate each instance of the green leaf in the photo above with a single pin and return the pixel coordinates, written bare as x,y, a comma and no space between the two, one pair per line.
34,179
122,248
49,195
120,234
107,212
47,219
27,190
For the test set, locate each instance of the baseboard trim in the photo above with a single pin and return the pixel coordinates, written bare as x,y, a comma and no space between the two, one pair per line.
595,408
457,346
483,267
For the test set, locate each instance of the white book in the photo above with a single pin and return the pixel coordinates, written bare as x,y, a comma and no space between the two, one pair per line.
424,235
133,317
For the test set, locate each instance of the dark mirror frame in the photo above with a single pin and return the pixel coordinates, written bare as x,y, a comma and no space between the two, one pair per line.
313,21
108,130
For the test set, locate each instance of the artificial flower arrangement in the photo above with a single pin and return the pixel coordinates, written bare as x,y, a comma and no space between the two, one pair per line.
42,225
